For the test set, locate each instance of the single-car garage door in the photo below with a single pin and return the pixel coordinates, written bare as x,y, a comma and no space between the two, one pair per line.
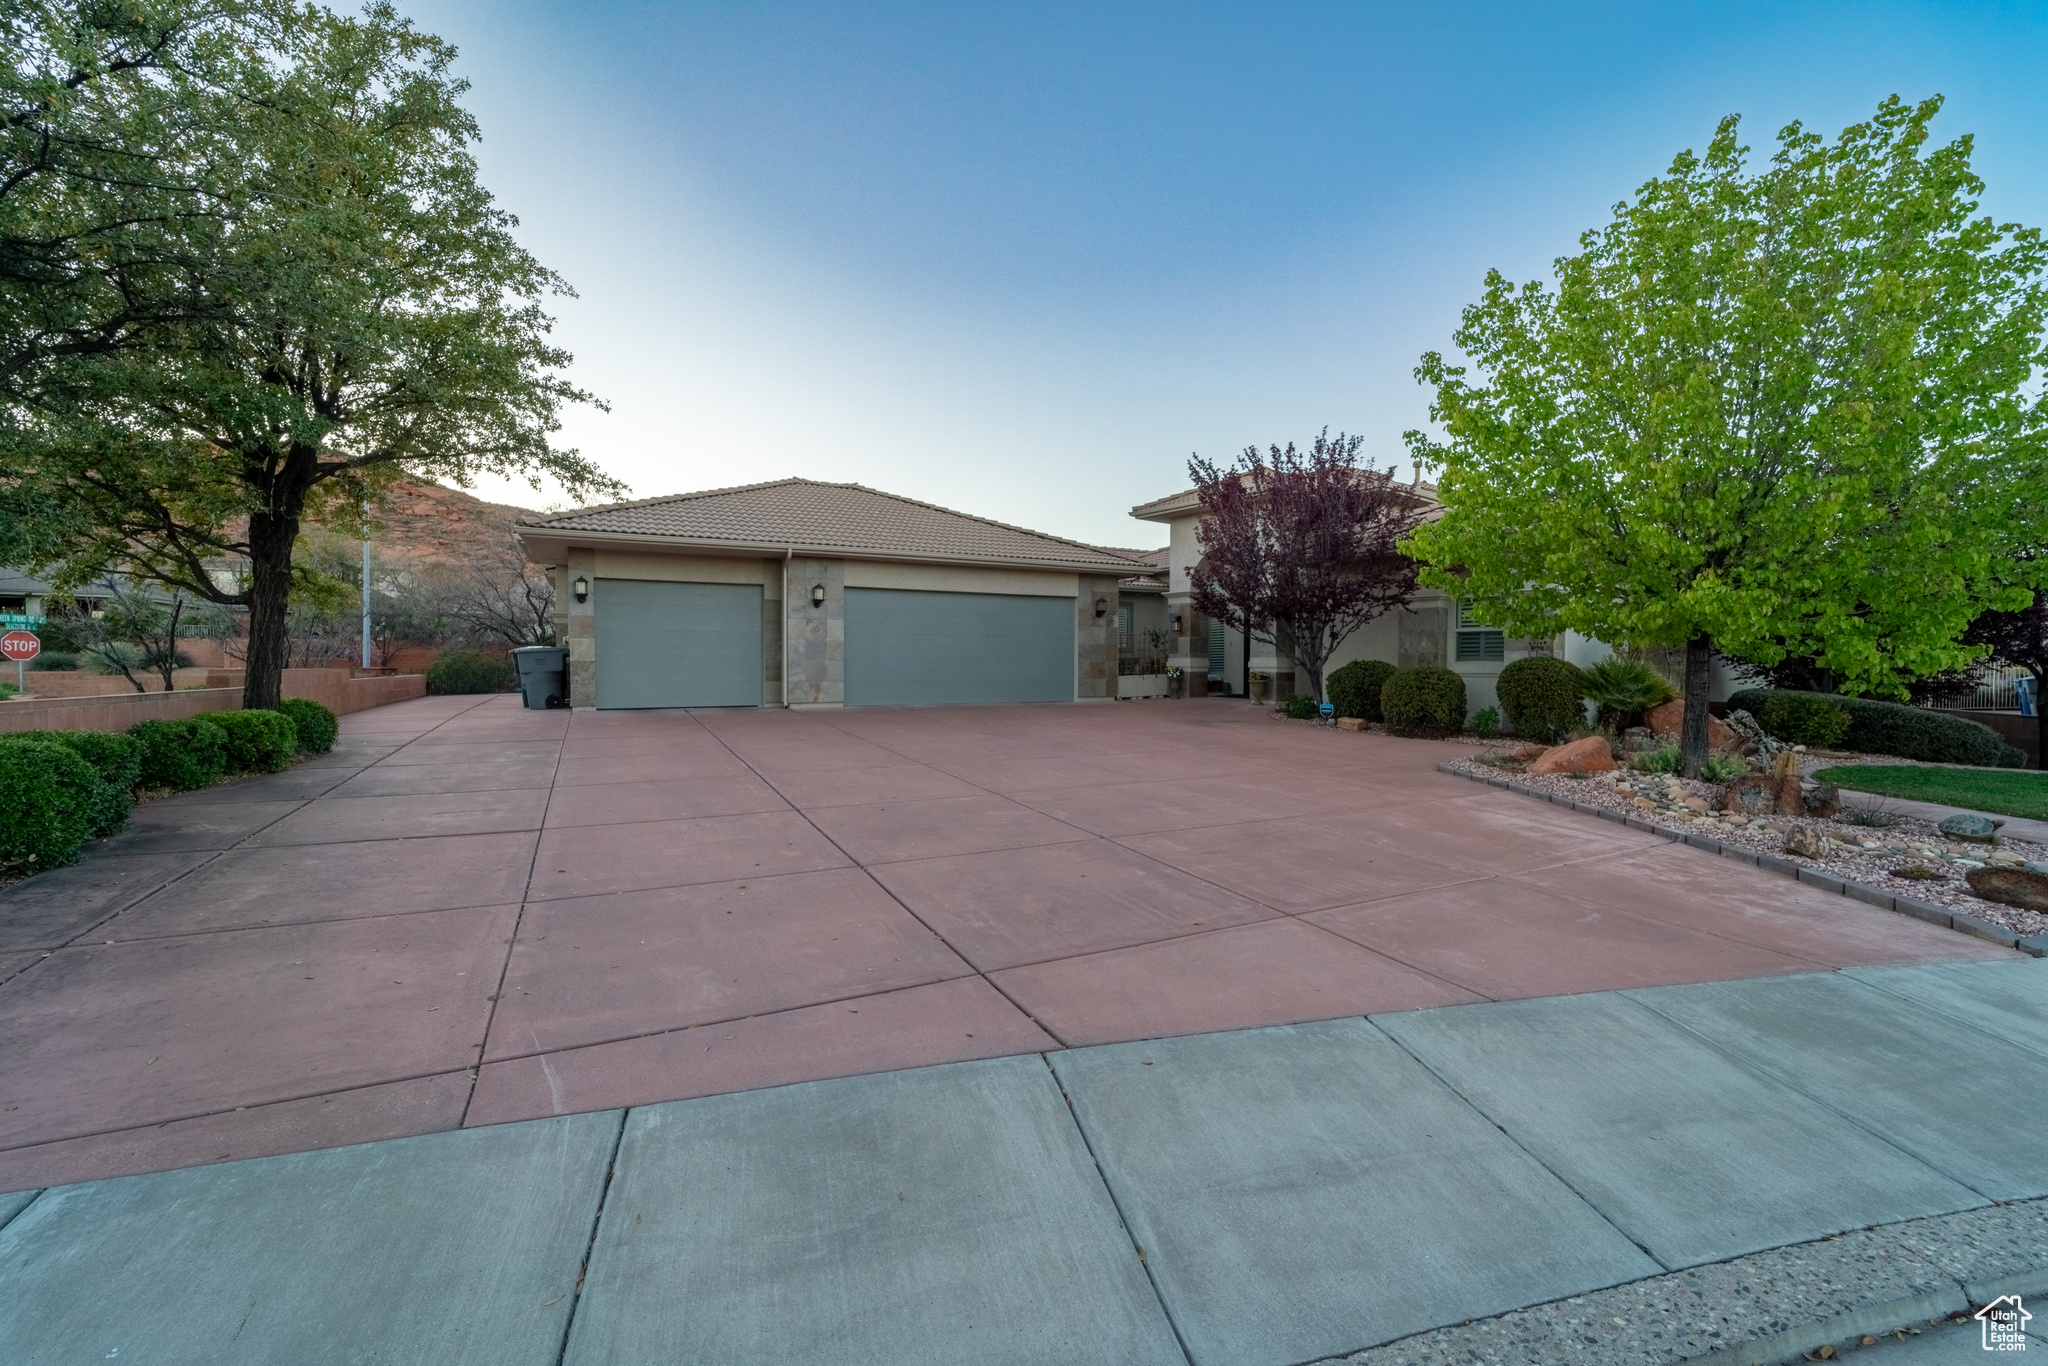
678,644
905,647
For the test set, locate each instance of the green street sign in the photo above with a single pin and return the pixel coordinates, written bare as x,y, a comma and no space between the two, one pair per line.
20,621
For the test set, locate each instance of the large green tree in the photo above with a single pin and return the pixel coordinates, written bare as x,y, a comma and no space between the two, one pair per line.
1793,409
362,313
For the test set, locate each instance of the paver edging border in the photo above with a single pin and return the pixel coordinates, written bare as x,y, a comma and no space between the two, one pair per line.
2035,945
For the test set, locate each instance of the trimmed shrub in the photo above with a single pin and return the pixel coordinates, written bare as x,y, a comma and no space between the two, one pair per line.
470,671
258,741
316,726
1804,718
1893,728
1540,696
1428,702
1354,690
1299,708
181,754
1486,722
117,760
47,800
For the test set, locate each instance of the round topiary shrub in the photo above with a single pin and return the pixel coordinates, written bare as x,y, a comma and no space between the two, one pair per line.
470,671
1428,702
315,724
258,741
47,799
1804,718
181,754
1354,690
1541,696
117,760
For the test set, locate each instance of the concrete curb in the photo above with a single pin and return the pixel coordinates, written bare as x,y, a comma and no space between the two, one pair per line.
2036,945
1764,1307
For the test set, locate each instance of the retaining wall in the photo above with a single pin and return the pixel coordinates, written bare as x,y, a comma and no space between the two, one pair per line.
2021,732
331,687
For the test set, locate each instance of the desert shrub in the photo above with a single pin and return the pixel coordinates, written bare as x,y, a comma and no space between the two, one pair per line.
1901,731
1621,690
1428,701
48,797
316,726
1804,718
2012,756
470,671
1299,708
53,661
1667,759
1540,697
1720,768
181,754
1355,689
1486,722
258,741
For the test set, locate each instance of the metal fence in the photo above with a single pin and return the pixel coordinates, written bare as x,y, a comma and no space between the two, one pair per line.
1128,664
1997,690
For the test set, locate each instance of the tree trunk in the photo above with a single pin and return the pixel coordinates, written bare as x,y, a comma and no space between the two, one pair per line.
272,533
1692,743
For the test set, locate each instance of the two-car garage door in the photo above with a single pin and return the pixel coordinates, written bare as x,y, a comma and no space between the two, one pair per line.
663,644
905,647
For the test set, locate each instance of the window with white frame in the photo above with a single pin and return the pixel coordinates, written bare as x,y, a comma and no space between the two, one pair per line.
1478,643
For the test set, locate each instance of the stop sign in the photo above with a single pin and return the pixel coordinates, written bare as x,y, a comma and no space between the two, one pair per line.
20,646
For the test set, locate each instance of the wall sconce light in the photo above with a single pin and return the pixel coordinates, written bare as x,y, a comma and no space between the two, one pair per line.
1176,623
817,595
581,588
1101,608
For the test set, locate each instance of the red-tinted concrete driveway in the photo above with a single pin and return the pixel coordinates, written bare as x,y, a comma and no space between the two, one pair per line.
471,913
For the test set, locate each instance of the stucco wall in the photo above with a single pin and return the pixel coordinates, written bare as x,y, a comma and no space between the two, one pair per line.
940,578
635,564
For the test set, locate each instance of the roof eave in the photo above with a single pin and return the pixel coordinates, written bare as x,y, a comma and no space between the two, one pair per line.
777,550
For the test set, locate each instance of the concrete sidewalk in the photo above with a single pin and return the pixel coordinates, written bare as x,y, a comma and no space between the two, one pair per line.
1266,1197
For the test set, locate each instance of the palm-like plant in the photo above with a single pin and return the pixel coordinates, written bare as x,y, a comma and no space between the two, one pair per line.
1623,689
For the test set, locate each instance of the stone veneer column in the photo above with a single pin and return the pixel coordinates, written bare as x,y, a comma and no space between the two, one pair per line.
581,636
816,635
772,612
1095,641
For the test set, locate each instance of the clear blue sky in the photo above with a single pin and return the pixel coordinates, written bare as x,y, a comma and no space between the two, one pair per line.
1022,259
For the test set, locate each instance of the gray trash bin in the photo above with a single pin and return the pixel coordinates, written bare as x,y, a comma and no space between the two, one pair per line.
543,675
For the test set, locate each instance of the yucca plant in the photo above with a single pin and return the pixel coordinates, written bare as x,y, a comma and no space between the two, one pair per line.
1623,689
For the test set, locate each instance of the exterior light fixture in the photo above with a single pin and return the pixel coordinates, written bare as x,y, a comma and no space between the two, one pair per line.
1176,623
1101,608
817,595
581,588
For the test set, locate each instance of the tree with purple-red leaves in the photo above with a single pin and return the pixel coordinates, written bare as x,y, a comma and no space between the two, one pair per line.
1302,547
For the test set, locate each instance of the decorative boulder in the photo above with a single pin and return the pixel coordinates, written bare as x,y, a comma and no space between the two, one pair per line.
1806,841
1664,723
1753,794
1976,829
1750,736
1822,800
1590,755
1352,723
2021,887
1528,750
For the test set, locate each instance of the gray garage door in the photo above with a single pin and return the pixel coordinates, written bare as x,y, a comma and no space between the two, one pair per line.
678,644
905,647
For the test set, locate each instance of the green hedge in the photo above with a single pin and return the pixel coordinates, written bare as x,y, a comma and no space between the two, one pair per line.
316,726
1355,689
49,799
1428,702
181,754
258,741
1904,732
1800,718
117,760
471,671
1541,696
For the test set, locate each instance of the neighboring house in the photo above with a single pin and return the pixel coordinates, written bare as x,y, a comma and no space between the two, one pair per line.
812,594
1433,629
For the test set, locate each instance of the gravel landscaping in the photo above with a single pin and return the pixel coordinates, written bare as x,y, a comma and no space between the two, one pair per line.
1904,856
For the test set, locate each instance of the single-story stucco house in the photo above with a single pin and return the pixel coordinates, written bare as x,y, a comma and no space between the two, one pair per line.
807,594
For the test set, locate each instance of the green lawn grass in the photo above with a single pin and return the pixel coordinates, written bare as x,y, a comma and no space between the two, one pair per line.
2007,792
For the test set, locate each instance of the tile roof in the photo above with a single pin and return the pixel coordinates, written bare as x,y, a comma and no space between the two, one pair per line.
812,516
